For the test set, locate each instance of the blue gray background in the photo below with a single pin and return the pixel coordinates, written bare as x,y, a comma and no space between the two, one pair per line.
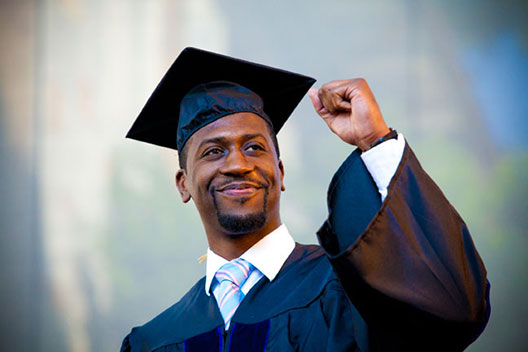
93,236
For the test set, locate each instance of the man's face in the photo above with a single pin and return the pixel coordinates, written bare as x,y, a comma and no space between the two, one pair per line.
233,175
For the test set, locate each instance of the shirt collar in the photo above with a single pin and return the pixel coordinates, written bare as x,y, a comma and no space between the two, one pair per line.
267,255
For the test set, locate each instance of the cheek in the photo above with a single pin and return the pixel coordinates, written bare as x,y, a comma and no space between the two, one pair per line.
196,186
275,178
201,183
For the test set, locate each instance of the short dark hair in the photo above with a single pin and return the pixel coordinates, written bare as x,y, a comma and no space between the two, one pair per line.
182,154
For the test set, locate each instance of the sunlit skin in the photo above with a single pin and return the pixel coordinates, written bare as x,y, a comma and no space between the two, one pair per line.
350,110
233,160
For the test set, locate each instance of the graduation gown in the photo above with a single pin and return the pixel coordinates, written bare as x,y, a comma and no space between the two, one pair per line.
399,276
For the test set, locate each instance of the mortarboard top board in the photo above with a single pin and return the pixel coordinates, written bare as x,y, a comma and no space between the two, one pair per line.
281,91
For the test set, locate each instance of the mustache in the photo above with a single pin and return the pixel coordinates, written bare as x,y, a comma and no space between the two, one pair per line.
241,179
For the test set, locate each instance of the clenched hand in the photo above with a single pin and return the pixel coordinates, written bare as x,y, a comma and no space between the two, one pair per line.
350,110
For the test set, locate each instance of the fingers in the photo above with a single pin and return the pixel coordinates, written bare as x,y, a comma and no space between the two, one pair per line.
350,110
327,101
338,98
334,96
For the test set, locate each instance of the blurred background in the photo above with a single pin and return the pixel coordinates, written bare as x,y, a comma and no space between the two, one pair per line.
94,238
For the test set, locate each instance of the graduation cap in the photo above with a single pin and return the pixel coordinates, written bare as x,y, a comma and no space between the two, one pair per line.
201,87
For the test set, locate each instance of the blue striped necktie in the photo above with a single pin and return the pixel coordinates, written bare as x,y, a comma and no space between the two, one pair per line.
231,276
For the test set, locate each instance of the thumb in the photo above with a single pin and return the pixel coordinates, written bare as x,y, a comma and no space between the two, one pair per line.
313,93
318,104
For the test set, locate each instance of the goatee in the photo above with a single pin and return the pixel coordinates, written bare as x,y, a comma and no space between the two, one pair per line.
242,224
238,225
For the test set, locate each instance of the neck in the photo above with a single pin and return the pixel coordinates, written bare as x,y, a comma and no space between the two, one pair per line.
230,246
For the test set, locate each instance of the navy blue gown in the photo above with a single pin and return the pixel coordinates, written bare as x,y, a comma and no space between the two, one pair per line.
399,276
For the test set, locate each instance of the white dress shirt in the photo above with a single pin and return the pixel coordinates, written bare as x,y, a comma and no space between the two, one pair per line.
382,162
269,254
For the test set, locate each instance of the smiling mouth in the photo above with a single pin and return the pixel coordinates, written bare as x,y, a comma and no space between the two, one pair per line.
239,189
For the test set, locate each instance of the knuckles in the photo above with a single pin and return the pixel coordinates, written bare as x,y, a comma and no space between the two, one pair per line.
332,93
361,82
334,87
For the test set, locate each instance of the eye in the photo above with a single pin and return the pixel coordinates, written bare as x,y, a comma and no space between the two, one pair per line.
213,151
255,147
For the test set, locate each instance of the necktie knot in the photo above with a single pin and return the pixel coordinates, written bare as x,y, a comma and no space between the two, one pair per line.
235,271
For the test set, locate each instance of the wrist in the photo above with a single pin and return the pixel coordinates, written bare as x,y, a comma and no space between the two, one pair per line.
390,133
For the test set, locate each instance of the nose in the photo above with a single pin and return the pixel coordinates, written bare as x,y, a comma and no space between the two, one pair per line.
236,163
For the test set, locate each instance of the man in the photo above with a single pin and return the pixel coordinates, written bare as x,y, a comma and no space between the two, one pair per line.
397,270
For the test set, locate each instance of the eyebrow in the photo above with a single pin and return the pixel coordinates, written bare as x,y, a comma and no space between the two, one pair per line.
224,140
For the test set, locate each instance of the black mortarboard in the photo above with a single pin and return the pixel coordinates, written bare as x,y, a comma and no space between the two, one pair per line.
202,86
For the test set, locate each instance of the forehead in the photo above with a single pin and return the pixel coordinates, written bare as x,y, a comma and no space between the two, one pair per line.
231,127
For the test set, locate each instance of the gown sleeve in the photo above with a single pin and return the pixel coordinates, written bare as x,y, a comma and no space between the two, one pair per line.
408,265
125,346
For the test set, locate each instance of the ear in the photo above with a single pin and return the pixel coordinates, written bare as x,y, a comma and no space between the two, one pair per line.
181,178
281,169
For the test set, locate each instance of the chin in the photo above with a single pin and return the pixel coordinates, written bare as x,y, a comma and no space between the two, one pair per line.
242,224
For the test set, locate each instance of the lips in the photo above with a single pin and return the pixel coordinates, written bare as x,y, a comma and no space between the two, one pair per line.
239,188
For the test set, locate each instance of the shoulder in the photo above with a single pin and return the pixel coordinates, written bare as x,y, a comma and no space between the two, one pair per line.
305,277
190,316
309,269
308,259
305,261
